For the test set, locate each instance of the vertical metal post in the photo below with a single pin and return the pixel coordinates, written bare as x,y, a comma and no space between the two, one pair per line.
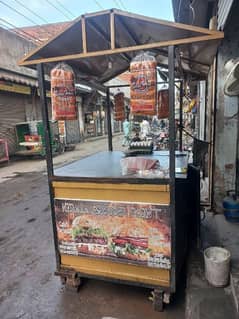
171,65
181,117
109,127
237,158
46,125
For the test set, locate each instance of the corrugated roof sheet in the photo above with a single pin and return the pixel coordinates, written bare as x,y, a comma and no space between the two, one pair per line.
46,31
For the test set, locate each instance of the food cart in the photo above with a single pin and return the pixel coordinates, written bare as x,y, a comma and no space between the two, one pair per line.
108,224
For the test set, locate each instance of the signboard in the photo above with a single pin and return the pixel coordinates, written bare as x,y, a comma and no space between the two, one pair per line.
16,88
136,233
62,128
90,129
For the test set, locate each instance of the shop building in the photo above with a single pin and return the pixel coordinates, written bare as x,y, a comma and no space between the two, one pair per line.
219,124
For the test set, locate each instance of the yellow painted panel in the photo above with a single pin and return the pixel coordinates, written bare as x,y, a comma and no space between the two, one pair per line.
114,270
155,188
113,192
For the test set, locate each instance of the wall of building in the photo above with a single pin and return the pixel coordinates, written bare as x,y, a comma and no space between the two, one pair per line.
226,115
13,48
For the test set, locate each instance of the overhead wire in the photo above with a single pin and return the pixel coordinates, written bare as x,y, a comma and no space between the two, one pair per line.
19,31
18,12
32,12
27,18
67,10
122,4
98,4
117,4
59,10
3,26
15,28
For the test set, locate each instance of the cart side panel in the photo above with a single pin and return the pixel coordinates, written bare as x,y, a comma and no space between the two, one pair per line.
187,215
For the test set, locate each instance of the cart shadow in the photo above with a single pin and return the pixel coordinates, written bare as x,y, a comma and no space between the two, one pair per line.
100,298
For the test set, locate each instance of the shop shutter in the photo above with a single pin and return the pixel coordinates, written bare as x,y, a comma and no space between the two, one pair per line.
12,111
72,131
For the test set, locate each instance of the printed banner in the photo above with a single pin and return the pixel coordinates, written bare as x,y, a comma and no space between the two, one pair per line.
143,85
137,233
63,95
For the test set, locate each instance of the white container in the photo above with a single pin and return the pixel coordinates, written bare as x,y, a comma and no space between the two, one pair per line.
217,265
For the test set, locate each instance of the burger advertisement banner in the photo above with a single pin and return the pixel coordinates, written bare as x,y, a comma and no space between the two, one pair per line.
136,233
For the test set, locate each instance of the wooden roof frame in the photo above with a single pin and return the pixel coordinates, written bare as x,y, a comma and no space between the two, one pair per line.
207,35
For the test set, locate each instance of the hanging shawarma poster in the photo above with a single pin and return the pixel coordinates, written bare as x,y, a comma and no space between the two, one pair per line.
63,94
136,233
143,83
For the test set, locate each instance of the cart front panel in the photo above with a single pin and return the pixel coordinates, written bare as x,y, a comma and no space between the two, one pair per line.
117,271
115,231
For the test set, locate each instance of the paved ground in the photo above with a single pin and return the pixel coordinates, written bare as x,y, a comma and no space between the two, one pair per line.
203,301
17,165
28,287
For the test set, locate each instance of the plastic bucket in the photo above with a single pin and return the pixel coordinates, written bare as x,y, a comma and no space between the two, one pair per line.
217,264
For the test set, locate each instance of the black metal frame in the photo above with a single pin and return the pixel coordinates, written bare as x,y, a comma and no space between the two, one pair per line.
50,171
128,85
181,117
171,68
109,126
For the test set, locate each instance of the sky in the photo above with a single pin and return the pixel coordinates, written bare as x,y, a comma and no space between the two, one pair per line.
38,12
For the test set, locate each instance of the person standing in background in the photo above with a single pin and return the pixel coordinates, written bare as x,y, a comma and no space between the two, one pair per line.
155,122
126,130
144,128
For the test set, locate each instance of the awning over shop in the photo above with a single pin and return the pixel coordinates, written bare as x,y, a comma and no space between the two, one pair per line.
100,46
17,78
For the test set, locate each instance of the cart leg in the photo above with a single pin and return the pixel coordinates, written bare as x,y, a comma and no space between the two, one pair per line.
73,282
158,300
70,279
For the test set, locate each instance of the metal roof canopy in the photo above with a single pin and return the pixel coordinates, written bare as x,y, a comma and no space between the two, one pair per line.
100,46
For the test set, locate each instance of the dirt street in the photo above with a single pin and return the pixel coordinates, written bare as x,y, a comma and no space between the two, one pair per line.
28,287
